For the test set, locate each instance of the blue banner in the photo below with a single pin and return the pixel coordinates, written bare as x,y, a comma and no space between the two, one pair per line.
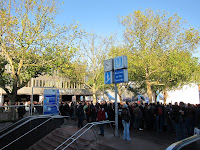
119,76
51,101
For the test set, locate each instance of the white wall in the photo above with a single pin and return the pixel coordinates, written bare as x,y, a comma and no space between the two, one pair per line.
188,94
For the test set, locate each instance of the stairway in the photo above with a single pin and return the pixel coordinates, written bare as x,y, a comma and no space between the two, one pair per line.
59,135
102,145
86,142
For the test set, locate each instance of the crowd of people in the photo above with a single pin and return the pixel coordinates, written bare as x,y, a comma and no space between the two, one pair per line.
22,108
179,118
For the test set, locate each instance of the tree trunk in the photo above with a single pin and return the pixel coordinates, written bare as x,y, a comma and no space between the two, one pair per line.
12,111
149,92
12,99
94,96
165,95
120,97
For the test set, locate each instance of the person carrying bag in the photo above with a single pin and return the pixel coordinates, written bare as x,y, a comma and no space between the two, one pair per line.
125,114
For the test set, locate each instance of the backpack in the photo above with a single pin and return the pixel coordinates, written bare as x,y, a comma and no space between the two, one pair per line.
160,110
126,115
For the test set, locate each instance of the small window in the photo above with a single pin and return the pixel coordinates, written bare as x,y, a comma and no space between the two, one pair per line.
62,85
33,82
40,83
43,83
37,83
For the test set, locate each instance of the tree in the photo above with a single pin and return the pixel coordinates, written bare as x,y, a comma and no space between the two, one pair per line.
89,66
114,52
31,43
180,69
150,38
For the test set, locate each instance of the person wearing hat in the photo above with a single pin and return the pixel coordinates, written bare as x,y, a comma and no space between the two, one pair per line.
125,115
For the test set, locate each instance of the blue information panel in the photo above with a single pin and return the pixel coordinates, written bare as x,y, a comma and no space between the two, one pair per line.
108,77
120,62
121,76
51,101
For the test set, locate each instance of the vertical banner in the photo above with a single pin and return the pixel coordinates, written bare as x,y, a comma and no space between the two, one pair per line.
73,98
199,93
1,100
57,99
51,101
81,98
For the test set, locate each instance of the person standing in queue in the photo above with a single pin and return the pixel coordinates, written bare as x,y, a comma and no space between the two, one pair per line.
21,111
101,116
178,115
125,114
80,115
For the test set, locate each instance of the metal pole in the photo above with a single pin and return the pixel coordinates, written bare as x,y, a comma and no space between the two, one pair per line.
116,112
31,102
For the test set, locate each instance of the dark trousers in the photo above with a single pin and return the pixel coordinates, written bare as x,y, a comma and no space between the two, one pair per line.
80,122
159,123
101,126
189,125
180,130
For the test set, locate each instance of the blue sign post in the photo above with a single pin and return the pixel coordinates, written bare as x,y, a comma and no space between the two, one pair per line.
108,77
51,101
120,62
120,75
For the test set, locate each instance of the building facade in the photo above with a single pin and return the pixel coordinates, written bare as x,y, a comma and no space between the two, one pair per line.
68,90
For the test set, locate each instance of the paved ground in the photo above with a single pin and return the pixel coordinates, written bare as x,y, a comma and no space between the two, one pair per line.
140,140
143,140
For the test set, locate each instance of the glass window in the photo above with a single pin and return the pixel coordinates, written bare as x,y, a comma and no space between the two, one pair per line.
43,83
40,83
37,83
33,82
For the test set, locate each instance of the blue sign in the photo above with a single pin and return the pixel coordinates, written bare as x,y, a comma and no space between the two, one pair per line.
108,77
121,76
51,101
50,110
120,62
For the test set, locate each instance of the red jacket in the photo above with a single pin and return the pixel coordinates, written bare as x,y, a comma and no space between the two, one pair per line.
101,115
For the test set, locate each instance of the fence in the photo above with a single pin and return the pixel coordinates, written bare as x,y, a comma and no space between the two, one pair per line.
5,111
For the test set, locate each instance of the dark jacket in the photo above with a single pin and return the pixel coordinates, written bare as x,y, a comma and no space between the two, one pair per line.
101,115
125,114
80,112
177,116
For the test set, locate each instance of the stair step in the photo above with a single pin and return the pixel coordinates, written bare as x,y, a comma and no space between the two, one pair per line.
46,145
102,145
39,146
59,135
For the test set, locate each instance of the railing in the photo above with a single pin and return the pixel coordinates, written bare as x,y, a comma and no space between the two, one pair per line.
36,110
22,122
74,139
14,124
51,117
180,144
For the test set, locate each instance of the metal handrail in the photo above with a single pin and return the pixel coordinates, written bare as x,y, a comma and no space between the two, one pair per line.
21,120
27,133
180,144
73,140
31,118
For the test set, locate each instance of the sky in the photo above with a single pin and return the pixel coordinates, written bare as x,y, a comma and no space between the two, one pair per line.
101,16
